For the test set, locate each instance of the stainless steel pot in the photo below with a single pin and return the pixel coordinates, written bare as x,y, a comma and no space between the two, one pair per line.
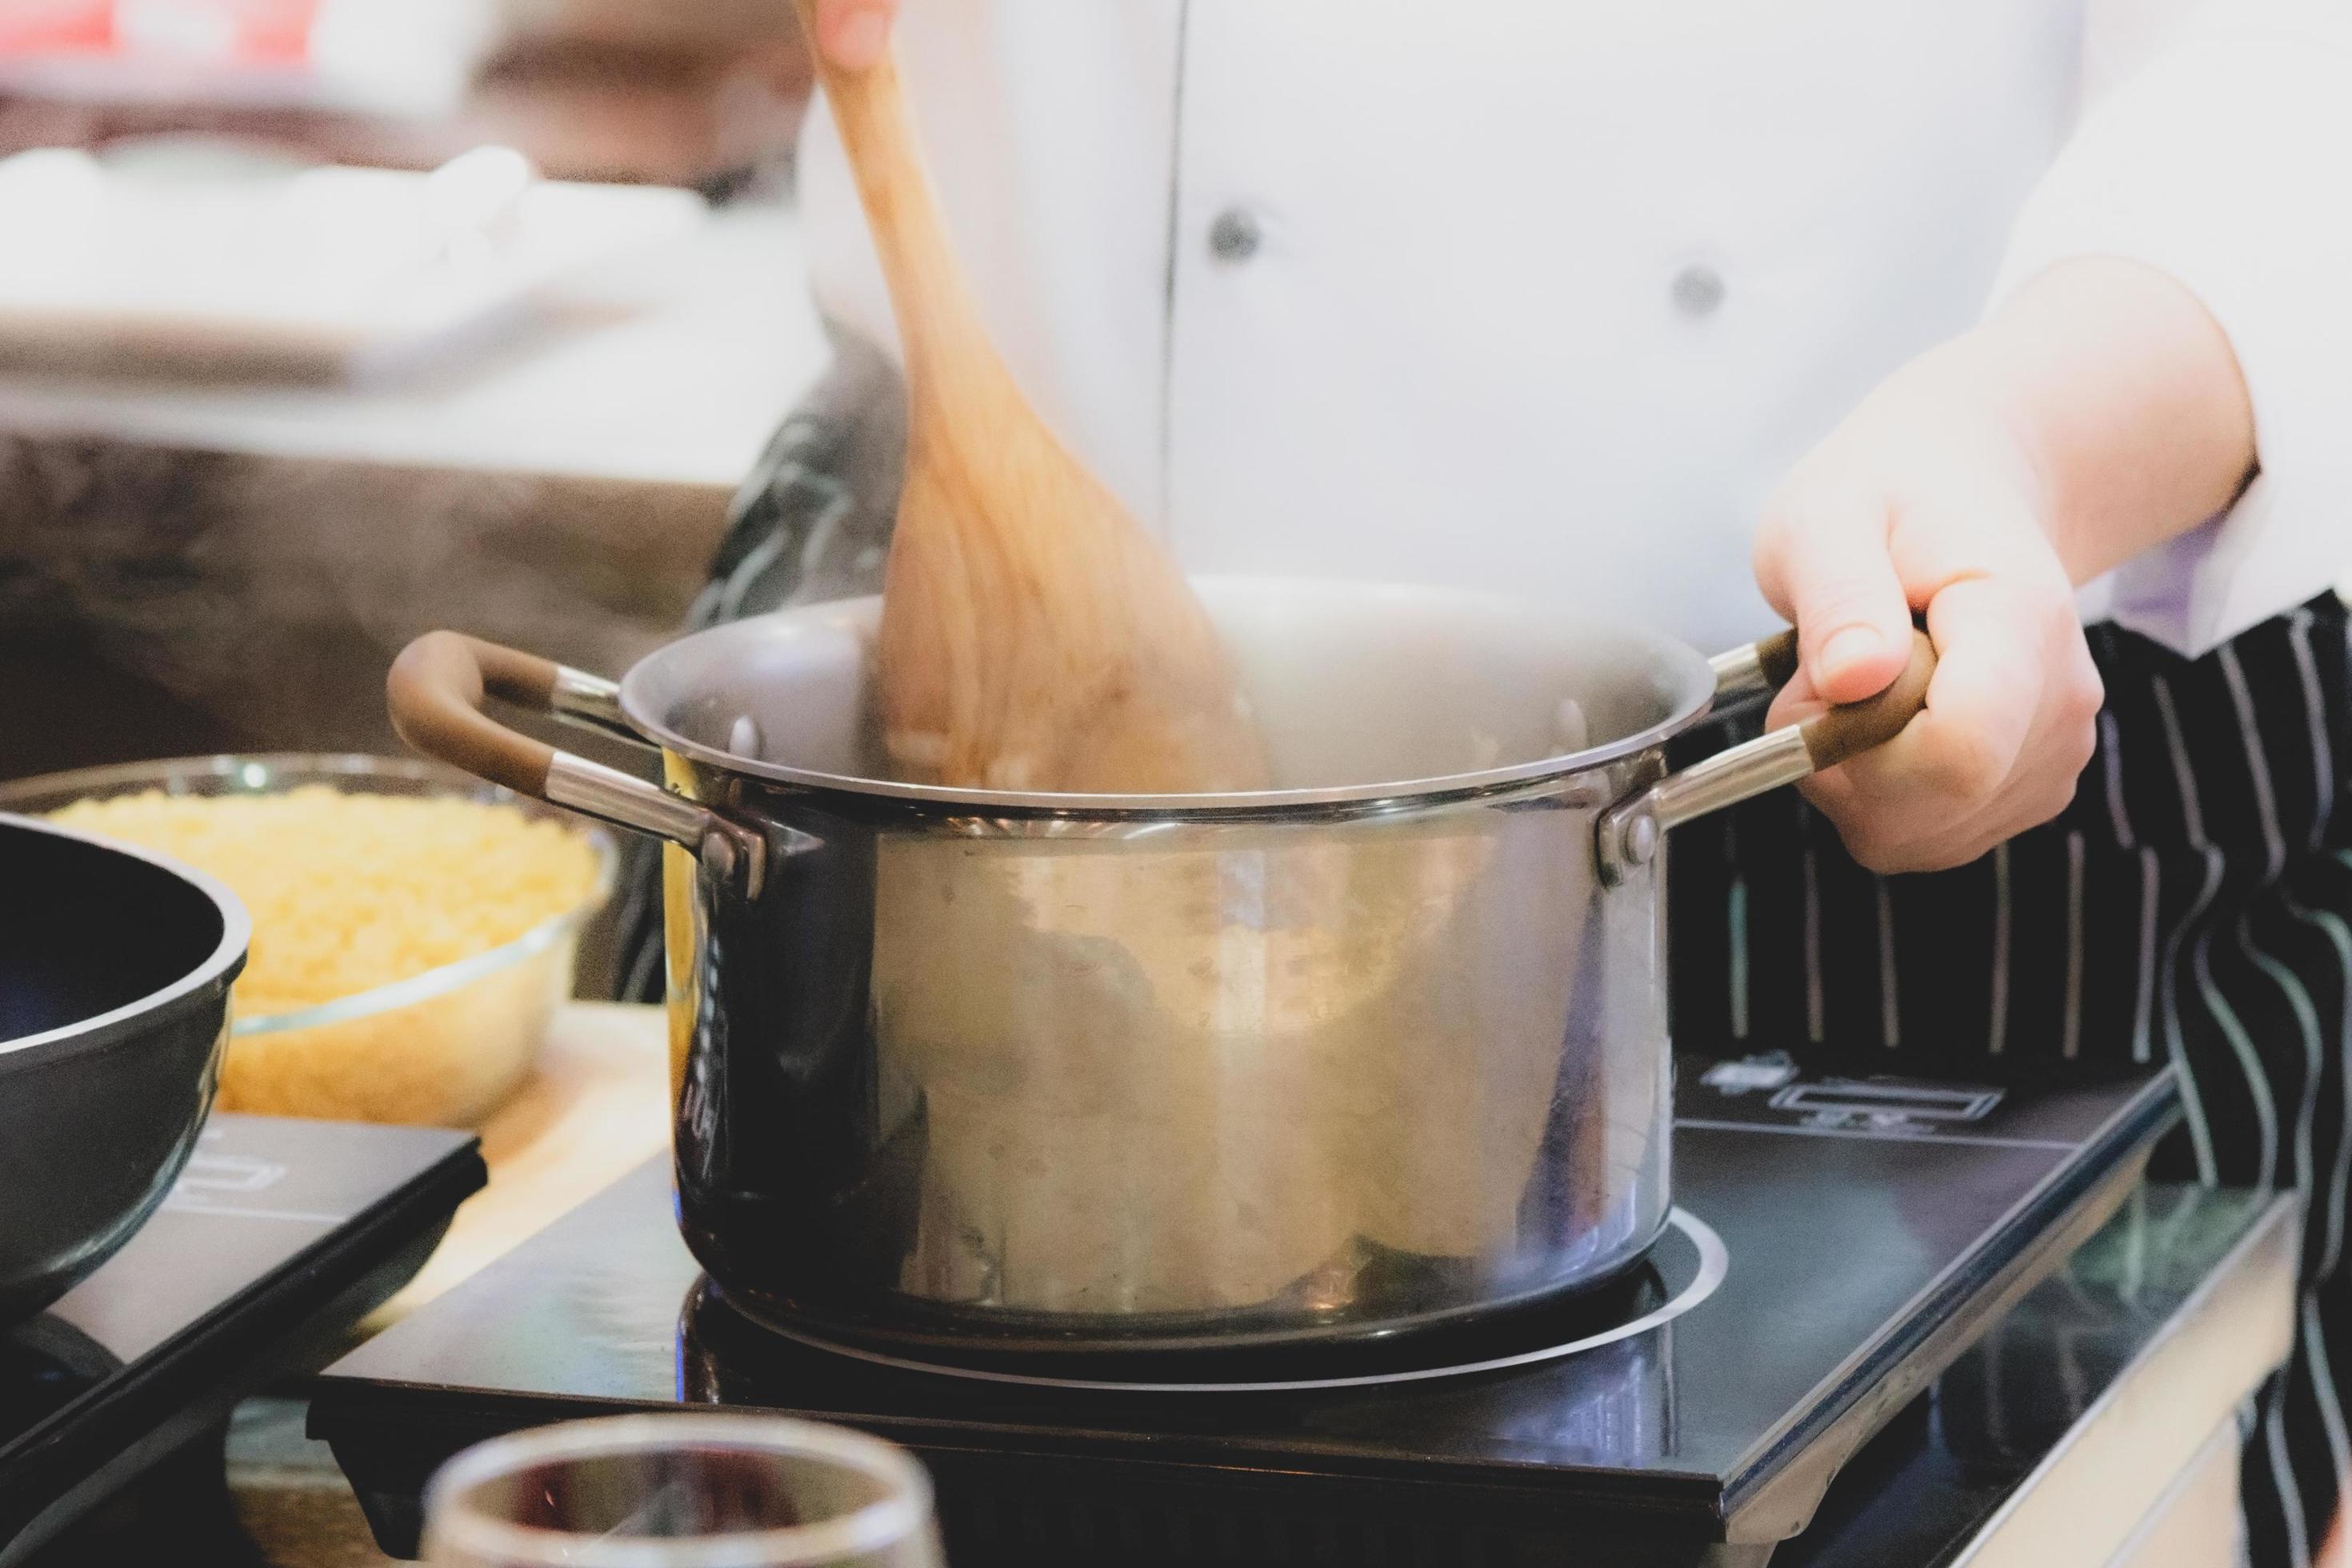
1383,1046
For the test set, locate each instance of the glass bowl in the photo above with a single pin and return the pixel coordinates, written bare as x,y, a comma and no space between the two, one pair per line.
446,1047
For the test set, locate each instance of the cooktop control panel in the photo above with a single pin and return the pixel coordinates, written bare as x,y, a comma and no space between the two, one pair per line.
1767,1091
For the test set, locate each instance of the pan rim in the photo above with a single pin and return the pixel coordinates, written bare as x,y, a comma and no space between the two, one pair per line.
218,968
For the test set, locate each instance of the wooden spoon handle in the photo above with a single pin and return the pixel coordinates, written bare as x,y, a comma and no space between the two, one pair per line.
935,314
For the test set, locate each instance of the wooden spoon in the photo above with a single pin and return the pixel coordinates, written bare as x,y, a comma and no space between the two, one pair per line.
1034,636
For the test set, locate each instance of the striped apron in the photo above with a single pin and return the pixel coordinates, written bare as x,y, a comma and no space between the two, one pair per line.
2193,905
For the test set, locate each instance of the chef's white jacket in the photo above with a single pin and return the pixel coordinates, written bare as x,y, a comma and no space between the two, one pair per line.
1546,295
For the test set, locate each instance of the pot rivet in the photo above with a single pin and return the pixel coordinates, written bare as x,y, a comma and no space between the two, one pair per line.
1641,840
718,856
743,738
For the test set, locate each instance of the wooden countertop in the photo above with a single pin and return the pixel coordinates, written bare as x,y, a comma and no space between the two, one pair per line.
597,1107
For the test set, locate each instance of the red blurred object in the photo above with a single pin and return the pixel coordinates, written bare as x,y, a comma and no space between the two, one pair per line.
704,93
229,32
56,26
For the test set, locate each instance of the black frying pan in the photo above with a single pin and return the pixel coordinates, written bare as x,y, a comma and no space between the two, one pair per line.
115,967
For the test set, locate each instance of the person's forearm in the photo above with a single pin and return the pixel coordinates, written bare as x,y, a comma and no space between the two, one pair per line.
2127,400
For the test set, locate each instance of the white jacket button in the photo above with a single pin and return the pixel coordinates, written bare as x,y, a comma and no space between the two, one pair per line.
1697,290
1234,236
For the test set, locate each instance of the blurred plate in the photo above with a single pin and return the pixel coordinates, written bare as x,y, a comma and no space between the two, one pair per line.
206,264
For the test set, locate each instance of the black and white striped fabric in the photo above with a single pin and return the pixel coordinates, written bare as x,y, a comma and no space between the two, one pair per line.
2192,906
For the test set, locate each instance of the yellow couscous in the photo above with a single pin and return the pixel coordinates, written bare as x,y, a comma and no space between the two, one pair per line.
350,891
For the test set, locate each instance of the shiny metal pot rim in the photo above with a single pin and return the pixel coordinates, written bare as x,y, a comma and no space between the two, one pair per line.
638,706
707,681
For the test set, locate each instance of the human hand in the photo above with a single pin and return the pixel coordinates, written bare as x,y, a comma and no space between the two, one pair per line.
1925,498
852,34
2098,413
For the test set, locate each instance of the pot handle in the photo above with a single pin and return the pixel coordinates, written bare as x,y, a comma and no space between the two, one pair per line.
436,690
1629,832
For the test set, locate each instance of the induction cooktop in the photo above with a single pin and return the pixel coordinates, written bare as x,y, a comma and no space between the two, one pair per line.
277,1239
1838,1243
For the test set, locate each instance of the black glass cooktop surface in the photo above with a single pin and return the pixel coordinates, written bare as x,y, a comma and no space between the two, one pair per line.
277,1238
1862,1235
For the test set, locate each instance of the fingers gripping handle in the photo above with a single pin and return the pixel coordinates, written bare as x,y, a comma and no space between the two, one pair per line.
1840,734
1631,831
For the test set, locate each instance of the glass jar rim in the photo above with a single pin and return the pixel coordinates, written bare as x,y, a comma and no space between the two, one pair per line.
901,1513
